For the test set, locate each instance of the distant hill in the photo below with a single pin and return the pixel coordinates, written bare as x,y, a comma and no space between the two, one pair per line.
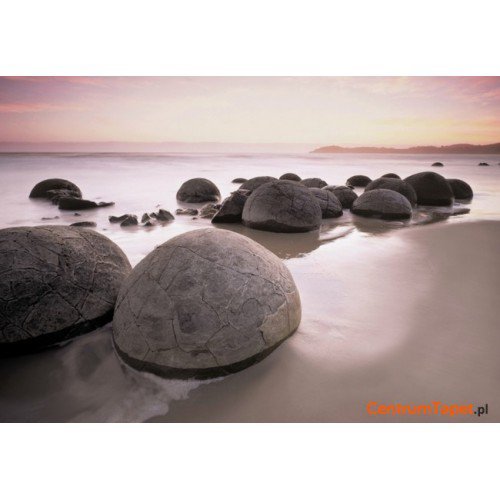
453,149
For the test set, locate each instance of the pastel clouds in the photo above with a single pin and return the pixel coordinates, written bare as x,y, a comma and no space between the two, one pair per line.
385,111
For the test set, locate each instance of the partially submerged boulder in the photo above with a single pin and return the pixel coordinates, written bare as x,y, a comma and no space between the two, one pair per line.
256,182
57,282
328,202
162,215
431,189
130,220
397,185
358,181
282,207
461,190
41,190
67,203
437,164
239,180
483,164
198,190
391,176
231,208
187,211
383,204
208,211
204,304
84,223
314,182
344,194
290,177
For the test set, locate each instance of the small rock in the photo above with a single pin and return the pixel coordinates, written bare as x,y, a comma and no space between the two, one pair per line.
437,164
131,220
239,180
164,215
483,164
186,211
391,176
231,208
208,211
50,218
113,219
145,218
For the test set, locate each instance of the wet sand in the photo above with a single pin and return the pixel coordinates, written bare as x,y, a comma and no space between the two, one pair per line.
410,318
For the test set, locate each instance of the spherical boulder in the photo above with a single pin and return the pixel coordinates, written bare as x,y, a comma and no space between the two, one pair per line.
431,189
397,185
290,177
204,304
328,202
383,204
358,181
41,190
344,194
198,190
256,182
391,176
231,208
282,207
314,182
461,190
57,282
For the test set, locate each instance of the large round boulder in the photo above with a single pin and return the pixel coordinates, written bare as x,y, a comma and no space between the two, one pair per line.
255,182
328,202
204,304
314,182
290,177
198,190
397,185
383,204
431,189
43,188
282,207
461,190
344,194
57,282
358,181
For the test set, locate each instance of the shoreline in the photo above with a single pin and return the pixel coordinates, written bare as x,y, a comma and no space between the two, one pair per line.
429,333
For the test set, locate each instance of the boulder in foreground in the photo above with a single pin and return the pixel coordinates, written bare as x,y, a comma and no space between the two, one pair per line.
198,190
57,282
282,207
204,304
383,204
431,188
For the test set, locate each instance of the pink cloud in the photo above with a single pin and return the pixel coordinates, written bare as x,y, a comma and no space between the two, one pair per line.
25,107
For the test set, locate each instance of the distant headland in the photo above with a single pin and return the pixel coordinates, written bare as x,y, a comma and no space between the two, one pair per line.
453,149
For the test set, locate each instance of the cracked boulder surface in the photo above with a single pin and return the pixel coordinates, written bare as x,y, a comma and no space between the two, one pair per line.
344,194
57,282
41,190
198,190
397,185
282,207
204,304
255,182
328,202
431,188
383,204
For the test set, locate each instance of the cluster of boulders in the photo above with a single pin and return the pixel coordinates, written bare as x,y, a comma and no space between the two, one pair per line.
147,220
203,304
65,194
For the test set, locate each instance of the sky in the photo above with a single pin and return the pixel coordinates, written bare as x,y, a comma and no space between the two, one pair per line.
317,111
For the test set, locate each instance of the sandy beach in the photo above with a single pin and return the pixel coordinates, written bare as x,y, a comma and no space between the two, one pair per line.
427,330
